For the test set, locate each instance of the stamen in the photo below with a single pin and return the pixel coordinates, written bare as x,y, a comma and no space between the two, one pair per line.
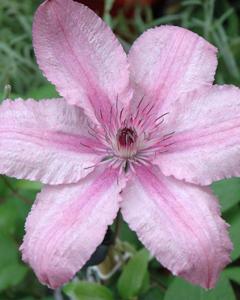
163,115
110,120
168,136
151,108
121,114
126,166
160,123
107,158
101,115
169,144
116,114
84,145
139,104
145,107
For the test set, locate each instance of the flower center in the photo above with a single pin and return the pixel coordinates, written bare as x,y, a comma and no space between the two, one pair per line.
126,137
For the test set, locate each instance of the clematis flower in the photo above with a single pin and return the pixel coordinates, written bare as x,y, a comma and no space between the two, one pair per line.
145,133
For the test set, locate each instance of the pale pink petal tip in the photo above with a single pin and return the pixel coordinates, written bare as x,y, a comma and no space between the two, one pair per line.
180,224
47,141
167,61
205,144
79,53
67,223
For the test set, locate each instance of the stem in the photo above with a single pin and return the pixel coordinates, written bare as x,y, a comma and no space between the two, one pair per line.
118,223
7,91
58,294
107,11
158,283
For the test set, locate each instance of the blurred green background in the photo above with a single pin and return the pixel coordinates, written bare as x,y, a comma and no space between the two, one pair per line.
139,277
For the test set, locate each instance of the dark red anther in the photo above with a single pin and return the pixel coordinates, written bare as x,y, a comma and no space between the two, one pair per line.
126,136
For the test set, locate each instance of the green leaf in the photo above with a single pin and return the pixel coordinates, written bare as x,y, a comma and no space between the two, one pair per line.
233,274
228,192
145,283
182,290
12,96
45,92
131,280
31,298
11,272
128,235
28,185
11,275
7,218
87,291
235,235
8,251
153,294
3,190
13,214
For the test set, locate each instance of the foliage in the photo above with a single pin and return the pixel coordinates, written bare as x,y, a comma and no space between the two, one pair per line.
16,55
134,276
140,276
87,291
180,290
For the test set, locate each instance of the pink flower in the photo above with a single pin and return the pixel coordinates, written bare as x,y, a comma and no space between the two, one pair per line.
142,133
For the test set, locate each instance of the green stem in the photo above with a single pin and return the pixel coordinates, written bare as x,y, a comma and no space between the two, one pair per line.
118,222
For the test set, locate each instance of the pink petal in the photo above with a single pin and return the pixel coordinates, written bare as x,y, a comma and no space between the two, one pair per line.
179,223
168,61
46,141
81,56
67,223
205,146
